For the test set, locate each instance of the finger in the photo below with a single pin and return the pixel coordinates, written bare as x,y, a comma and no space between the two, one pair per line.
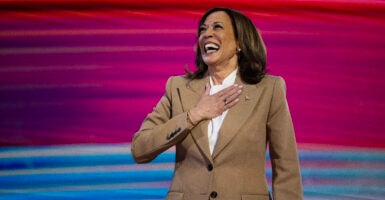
232,96
231,104
227,90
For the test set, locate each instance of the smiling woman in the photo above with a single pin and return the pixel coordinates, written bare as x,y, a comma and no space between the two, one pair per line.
221,122
218,45
250,48
81,72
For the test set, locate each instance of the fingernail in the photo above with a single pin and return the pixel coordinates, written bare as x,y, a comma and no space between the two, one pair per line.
240,86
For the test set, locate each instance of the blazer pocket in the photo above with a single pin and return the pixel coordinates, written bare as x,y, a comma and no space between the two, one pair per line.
174,196
255,197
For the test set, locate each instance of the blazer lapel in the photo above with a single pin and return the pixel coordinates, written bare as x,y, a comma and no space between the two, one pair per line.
237,115
189,96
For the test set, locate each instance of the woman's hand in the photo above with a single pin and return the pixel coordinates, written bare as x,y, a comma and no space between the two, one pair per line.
210,106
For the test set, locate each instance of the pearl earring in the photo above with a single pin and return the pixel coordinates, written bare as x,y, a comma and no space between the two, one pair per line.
239,49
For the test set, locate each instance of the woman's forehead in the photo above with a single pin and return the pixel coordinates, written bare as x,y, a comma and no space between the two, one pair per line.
217,17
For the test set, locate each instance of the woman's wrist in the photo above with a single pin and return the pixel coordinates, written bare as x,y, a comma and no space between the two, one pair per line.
189,119
192,117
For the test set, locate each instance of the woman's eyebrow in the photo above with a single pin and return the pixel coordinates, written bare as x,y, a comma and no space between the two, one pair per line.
204,24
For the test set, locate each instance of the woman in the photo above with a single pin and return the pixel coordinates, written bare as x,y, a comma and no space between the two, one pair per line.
221,118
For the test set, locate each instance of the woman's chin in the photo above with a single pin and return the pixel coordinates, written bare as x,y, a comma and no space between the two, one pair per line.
209,60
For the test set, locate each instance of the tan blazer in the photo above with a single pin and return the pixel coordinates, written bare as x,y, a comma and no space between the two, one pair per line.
236,169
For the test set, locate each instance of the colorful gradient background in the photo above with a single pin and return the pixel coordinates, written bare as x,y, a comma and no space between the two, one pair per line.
89,71
77,77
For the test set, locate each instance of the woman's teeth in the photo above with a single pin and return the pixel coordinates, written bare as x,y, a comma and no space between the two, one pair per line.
209,48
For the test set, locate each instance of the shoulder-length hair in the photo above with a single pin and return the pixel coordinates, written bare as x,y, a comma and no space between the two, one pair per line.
252,54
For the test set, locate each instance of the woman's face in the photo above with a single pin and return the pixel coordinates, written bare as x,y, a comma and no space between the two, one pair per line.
217,40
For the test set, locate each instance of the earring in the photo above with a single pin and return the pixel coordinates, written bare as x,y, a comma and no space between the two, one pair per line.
239,49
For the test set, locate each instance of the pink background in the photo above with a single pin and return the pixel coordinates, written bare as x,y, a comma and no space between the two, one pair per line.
90,71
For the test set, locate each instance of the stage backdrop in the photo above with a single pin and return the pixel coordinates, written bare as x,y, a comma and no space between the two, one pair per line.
90,71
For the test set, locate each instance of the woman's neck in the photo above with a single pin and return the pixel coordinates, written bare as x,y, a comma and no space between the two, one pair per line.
218,75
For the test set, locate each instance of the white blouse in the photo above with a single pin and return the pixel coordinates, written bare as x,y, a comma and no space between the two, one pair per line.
216,123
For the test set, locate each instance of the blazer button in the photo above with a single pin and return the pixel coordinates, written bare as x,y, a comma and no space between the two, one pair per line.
210,167
213,194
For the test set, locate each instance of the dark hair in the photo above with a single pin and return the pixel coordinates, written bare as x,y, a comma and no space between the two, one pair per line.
252,57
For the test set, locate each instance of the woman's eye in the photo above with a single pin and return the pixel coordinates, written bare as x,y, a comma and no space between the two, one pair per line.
202,29
217,26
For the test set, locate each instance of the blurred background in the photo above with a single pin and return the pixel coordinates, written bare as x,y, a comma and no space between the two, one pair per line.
78,77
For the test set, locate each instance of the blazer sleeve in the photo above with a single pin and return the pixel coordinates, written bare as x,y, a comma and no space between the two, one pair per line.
286,181
159,130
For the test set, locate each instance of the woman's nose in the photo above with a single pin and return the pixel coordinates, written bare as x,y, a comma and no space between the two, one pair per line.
208,33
